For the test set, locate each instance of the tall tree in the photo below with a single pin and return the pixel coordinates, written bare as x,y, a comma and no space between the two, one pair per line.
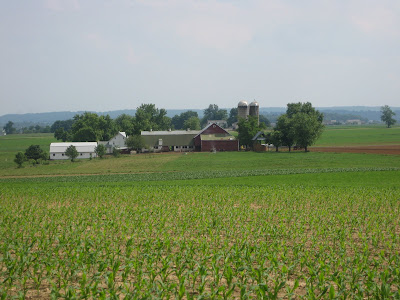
214,113
387,116
125,123
285,127
275,138
148,117
306,123
19,159
71,152
64,124
248,128
233,116
178,120
89,127
100,150
193,123
9,128
135,142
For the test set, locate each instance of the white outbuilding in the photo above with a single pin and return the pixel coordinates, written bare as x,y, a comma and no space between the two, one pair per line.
85,149
117,141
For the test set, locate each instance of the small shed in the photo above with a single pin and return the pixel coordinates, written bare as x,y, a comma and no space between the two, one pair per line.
85,150
259,142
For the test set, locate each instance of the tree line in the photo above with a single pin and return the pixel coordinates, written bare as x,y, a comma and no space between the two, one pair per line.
90,127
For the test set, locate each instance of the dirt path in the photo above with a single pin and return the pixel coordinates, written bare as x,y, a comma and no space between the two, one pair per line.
381,149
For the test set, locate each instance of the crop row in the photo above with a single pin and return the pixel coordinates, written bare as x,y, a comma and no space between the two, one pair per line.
199,242
189,175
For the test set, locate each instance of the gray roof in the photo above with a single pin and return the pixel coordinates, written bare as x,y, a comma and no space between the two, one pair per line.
172,132
169,138
80,147
260,136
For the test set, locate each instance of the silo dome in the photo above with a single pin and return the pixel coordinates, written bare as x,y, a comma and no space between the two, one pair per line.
242,103
254,103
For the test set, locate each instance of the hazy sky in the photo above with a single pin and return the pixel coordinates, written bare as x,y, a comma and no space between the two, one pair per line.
105,55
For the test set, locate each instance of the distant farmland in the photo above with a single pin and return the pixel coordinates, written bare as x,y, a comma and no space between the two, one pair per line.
202,225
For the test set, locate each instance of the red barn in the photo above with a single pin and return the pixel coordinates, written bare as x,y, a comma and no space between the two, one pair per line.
213,137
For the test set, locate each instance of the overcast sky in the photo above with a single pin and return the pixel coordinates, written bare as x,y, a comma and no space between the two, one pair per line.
72,55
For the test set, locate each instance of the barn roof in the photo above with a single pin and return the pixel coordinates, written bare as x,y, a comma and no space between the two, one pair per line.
172,132
208,126
169,138
80,147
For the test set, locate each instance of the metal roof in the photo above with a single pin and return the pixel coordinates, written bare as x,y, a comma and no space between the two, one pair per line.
80,147
184,139
172,132
260,136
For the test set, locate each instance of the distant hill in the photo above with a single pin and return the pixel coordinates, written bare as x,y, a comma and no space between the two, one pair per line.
331,113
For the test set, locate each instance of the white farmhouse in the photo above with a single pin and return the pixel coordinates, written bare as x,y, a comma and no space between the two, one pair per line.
85,149
118,141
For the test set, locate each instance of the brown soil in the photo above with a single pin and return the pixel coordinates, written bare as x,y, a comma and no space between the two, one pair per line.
381,149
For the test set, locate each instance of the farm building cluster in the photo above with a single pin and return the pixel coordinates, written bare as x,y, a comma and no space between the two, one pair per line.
211,138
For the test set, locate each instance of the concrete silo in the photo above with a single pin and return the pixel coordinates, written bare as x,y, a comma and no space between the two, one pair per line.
243,110
254,110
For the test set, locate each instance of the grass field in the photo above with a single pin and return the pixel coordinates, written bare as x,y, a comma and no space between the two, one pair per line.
359,135
201,226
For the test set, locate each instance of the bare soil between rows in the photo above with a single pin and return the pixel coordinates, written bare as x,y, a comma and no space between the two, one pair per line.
381,149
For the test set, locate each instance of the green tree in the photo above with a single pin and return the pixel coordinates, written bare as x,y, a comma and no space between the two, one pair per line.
61,134
233,116
19,159
125,123
149,117
214,113
248,128
64,124
135,142
71,152
86,134
193,123
178,120
100,150
89,127
9,128
285,127
306,123
35,153
275,138
387,116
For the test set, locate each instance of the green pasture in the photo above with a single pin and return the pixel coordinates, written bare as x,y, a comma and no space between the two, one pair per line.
359,135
